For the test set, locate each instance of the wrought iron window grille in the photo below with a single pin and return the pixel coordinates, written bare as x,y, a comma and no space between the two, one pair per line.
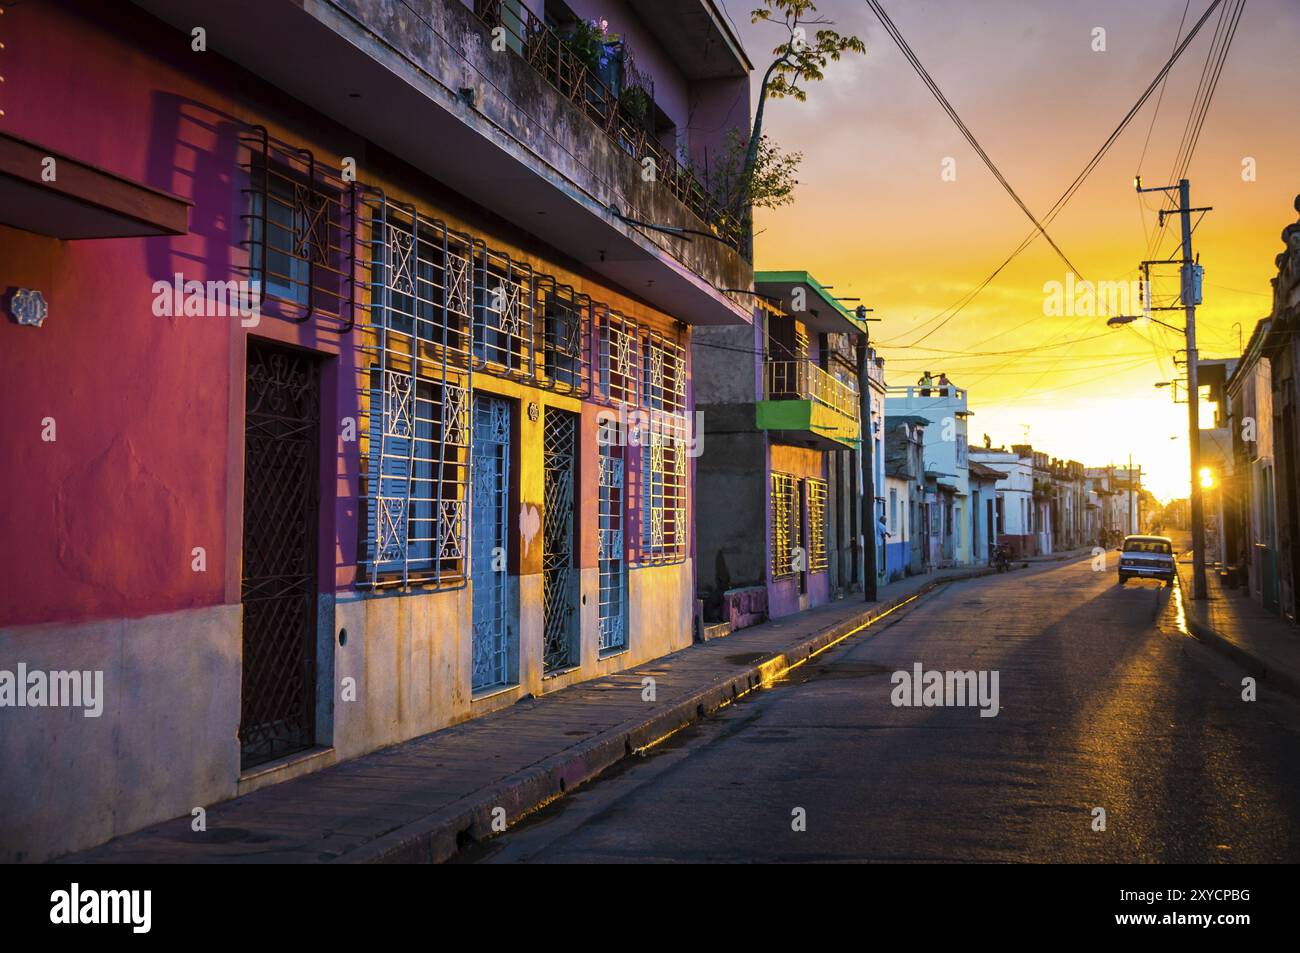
415,400
817,494
617,364
664,454
612,549
787,525
300,232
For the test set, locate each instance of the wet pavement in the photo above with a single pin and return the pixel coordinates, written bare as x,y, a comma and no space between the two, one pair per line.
1103,701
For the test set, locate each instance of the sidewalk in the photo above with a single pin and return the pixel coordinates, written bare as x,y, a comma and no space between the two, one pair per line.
1231,621
423,799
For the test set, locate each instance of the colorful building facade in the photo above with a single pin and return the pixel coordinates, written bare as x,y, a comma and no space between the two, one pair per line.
347,403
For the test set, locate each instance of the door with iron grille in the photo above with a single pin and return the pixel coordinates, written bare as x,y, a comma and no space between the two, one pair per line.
559,439
281,514
493,640
612,616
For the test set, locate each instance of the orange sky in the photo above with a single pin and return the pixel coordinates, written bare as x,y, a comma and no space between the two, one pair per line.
874,217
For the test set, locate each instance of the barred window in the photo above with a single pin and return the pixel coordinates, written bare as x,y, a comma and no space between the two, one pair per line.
300,229
612,558
416,479
415,395
664,454
664,375
566,331
787,524
617,357
422,280
503,331
817,525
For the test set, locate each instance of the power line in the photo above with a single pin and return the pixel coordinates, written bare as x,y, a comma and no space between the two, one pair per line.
921,71
1069,193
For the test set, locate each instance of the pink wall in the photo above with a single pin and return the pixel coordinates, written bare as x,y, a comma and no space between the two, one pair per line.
149,426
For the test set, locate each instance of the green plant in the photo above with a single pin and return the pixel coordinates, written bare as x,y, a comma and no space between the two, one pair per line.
634,102
797,59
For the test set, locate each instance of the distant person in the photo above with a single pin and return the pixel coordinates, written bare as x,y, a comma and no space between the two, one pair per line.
926,383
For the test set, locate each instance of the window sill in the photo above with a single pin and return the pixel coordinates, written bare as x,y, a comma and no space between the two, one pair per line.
483,694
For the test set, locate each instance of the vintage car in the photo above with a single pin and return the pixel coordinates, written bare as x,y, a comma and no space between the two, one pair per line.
1147,557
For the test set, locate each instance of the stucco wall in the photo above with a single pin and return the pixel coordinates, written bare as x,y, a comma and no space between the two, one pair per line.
164,743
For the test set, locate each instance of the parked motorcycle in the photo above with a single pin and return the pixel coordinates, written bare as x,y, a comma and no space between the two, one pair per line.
1001,559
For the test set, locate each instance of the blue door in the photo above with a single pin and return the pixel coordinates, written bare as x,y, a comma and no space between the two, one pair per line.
494,650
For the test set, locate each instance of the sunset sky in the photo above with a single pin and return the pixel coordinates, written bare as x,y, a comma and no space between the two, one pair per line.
874,217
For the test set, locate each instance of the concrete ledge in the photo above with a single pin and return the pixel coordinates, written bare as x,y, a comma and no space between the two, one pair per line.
440,835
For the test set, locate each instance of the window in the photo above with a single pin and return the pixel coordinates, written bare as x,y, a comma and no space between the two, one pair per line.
664,455
893,508
300,231
787,524
566,323
617,360
503,329
415,395
817,561
612,556
416,479
422,283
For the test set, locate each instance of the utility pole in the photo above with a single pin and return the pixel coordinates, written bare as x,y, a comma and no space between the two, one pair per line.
1130,496
1190,285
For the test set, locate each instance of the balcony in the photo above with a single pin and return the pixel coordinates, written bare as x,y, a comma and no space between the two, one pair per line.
520,131
622,114
947,399
802,404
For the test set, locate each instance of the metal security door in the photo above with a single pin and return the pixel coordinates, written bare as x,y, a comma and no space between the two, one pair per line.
490,480
612,561
281,513
559,437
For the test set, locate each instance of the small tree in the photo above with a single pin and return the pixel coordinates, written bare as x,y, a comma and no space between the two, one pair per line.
768,183
797,61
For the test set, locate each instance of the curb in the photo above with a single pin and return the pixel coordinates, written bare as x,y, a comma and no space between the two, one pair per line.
1207,635
441,835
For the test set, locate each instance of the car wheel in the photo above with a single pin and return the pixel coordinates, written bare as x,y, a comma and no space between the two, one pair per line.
1123,579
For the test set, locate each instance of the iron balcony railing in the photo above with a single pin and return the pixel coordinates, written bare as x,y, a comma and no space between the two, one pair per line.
804,380
547,52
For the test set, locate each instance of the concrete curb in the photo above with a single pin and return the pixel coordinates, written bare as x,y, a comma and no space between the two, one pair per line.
1272,676
439,836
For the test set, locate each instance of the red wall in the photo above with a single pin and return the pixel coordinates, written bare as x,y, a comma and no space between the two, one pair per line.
147,463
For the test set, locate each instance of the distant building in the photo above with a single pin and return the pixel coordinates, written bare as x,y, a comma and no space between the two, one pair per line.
1013,508
780,480
946,446
908,551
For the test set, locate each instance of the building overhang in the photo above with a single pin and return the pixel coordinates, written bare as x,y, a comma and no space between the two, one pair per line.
53,194
696,35
821,312
807,423
351,60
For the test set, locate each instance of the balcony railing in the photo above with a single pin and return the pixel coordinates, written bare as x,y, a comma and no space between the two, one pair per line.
804,380
546,51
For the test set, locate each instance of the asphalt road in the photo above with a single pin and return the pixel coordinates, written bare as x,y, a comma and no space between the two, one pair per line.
1103,702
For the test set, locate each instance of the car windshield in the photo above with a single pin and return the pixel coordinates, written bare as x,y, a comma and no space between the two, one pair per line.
1147,546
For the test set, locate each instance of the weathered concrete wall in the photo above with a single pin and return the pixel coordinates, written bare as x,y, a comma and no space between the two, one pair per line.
456,52
731,498
164,743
